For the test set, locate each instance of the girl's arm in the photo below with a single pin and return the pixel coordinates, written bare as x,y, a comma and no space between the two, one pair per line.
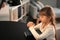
31,24
45,34
37,26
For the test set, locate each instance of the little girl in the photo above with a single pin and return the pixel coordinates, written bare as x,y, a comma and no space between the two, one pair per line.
47,25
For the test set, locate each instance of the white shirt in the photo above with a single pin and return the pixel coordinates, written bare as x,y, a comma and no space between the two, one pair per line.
48,32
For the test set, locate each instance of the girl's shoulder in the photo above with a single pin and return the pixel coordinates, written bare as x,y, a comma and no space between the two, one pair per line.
50,26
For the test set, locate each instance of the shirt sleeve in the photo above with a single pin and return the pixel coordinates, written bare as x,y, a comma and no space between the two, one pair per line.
45,34
37,26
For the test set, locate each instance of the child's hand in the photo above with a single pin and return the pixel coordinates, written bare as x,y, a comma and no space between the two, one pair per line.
37,21
30,24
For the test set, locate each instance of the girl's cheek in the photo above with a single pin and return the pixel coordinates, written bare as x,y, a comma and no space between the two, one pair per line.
45,20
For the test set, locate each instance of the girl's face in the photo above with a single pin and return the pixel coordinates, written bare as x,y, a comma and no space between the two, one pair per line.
43,18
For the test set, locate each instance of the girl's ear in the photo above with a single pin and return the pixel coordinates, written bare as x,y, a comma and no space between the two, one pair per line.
49,18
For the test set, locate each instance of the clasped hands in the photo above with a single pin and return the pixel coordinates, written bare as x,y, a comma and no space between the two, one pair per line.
30,24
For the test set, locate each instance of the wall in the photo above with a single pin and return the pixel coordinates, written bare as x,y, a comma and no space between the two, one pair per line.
49,2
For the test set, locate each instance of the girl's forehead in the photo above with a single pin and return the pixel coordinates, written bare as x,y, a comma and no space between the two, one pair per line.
43,13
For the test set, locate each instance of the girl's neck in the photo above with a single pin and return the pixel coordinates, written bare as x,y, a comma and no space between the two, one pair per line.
44,24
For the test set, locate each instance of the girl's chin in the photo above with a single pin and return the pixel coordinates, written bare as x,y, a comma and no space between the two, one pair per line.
43,22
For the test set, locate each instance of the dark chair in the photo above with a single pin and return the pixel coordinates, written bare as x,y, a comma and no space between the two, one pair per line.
12,30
